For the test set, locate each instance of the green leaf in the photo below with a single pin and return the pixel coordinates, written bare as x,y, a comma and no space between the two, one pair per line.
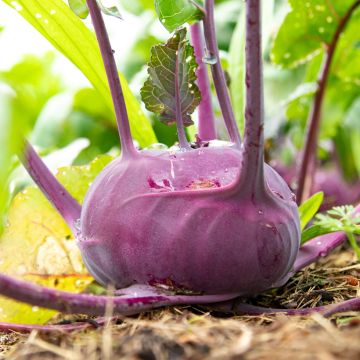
38,246
309,208
137,7
305,29
314,231
79,7
9,140
166,79
63,29
175,13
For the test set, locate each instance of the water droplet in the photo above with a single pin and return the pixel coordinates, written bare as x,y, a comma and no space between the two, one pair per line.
321,30
52,12
209,59
322,253
157,146
226,170
329,19
320,7
163,21
109,10
35,308
46,21
38,15
77,224
261,212
188,59
287,55
79,282
318,243
16,6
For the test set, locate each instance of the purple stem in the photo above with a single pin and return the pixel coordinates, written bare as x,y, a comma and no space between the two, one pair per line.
317,248
59,197
252,175
305,180
178,114
95,305
206,128
326,310
28,328
122,119
218,74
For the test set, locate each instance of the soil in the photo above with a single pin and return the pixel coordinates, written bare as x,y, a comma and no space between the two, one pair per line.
186,332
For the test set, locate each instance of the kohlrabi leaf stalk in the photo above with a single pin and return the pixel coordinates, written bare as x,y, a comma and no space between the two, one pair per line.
206,123
308,159
218,74
59,197
127,145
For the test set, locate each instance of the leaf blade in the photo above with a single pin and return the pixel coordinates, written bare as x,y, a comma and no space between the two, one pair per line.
67,33
309,208
166,80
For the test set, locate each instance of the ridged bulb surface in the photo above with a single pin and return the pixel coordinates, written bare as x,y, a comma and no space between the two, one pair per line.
172,218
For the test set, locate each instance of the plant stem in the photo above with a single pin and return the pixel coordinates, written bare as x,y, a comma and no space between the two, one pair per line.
353,244
92,304
59,197
179,121
122,119
313,123
218,74
252,174
206,127
28,328
326,310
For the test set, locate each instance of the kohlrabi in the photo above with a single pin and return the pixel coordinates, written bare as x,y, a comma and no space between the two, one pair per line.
197,223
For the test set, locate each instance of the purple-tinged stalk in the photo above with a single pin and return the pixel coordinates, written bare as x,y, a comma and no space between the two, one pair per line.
59,197
206,126
253,147
237,308
62,328
96,304
308,159
184,144
127,145
218,74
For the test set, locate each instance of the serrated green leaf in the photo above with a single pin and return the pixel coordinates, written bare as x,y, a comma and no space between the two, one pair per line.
67,33
79,7
172,71
175,13
309,208
38,246
305,29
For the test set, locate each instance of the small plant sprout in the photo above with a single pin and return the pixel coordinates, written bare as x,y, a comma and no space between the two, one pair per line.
340,218
193,224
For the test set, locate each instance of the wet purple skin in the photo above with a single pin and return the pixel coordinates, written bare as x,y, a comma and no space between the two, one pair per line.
210,240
